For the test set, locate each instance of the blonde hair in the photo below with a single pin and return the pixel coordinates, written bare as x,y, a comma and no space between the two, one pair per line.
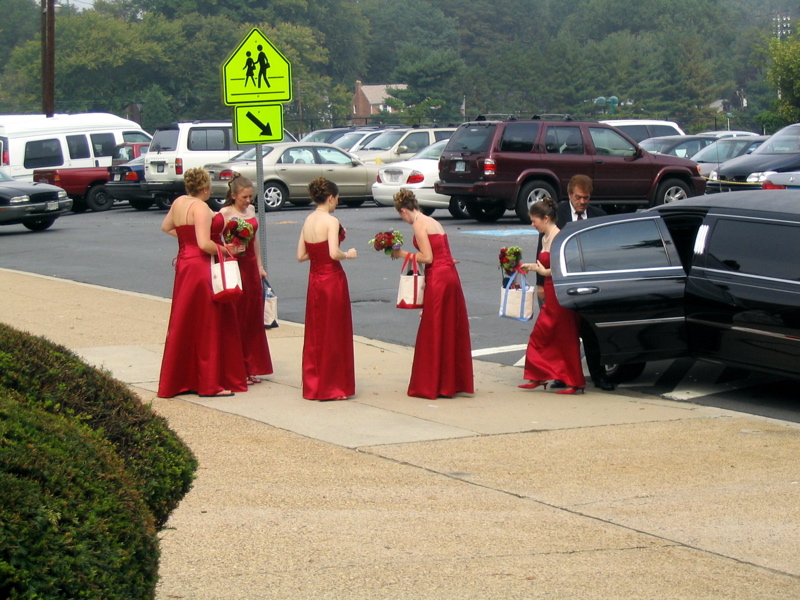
405,199
237,183
196,180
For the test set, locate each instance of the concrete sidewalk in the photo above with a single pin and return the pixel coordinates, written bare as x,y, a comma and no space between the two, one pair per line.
505,494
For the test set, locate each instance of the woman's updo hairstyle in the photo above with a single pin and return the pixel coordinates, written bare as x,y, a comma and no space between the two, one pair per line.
320,189
196,180
237,183
546,207
405,199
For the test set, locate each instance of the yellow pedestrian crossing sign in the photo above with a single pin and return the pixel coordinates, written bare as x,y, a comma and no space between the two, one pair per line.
256,73
258,124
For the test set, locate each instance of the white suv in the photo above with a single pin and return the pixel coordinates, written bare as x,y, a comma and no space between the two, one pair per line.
394,145
178,147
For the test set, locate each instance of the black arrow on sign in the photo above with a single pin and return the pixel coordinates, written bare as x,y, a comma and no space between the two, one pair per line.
266,130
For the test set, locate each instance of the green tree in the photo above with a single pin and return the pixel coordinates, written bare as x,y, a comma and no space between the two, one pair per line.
784,74
20,24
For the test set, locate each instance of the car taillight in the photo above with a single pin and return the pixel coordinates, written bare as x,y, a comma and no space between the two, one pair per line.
178,166
226,175
6,160
131,176
56,179
489,167
768,185
415,177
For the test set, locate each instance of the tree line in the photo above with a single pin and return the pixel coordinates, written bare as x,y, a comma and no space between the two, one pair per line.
693,61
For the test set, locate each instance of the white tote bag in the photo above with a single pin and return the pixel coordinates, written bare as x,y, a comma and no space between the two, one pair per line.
226,280
411,292
517,298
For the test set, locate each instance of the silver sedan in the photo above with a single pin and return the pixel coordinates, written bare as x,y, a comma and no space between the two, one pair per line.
288,169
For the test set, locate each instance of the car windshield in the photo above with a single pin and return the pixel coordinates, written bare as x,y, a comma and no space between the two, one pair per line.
472,138
251,153
4,176
723,150
432,152
385,140
348,140
165,140
659,146
783,142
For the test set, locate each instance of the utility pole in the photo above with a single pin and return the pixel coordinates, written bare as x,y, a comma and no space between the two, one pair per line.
48,36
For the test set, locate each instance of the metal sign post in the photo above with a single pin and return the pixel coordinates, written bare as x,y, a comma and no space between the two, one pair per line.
262,210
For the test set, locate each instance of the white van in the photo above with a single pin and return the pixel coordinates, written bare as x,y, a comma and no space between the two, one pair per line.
66,141
642,129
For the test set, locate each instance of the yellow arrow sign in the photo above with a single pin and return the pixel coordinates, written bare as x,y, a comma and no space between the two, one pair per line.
258,124
256,72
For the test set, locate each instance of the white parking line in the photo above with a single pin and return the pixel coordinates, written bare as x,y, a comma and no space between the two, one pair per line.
498,350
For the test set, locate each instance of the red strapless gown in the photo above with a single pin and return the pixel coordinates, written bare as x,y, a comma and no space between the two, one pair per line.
554,350
250,311
443,353
328,361
201,354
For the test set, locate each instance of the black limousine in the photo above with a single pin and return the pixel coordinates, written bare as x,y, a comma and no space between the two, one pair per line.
712,277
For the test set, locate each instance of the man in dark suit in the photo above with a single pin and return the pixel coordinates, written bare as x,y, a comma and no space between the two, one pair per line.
578,208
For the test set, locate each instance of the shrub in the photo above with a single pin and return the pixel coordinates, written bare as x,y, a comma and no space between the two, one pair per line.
73,524
56,380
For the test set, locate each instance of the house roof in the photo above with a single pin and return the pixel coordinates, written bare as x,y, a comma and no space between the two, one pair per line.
377,94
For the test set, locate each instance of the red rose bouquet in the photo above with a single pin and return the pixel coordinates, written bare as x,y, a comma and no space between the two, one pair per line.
510,259
238,231
387,241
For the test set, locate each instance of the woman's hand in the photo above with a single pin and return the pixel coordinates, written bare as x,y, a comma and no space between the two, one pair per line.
352,253
398,253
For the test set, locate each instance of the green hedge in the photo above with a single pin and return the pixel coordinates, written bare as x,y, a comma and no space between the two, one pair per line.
52,378
73,524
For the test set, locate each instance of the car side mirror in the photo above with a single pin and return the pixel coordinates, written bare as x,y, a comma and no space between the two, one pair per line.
402,149
357,161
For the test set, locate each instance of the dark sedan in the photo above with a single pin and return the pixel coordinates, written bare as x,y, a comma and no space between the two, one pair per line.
710,277
125,183
33,205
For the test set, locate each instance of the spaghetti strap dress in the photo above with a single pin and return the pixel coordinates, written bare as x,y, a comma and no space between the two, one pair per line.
201,353
443,352
554,350
328,356
250,310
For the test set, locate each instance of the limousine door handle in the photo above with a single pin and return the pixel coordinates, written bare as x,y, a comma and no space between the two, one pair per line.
582,291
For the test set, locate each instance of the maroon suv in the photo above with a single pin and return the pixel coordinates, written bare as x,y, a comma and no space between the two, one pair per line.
494,166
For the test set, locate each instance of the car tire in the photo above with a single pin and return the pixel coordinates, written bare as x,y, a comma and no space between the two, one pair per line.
164,202
140,204
458,207
624,373
98,198
275,196
485,213
39,225
671,190
353,203
427,210
531,192
215,204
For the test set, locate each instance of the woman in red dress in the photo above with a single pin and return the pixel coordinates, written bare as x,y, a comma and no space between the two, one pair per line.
554,350
249,308
328,360
202,354
443,353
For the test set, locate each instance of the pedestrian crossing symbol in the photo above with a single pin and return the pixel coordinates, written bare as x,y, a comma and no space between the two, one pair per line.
256,73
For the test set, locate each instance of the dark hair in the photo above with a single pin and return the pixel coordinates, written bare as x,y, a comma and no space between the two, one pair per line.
321,188
196,180
405,199
581,181
546,207
237,183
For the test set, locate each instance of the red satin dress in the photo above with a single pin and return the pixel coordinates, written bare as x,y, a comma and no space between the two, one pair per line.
250,310
443,352
328,357
202,353
554,350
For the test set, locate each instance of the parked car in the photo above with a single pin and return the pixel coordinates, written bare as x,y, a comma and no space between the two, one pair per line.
288,168
782,181
394,145
710,157
125,183
87,185
494,166
642,129
709,277
326,136
34,205
178,147
417,174
685,146
780,153
353,141
726,133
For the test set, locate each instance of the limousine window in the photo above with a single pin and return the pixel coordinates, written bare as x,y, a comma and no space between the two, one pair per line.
750,247
617,246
